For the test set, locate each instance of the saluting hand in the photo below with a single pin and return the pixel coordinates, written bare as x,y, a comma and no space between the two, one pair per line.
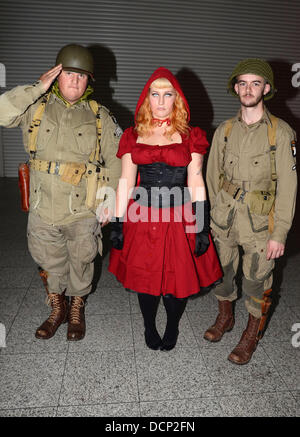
48,77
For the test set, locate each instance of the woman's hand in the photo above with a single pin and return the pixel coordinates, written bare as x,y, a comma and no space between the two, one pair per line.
201,210
116,233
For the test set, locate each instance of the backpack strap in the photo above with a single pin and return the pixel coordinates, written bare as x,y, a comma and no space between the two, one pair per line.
227,132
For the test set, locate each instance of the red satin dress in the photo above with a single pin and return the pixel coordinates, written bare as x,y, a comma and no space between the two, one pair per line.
158,256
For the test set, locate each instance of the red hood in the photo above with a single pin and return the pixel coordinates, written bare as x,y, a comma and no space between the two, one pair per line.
159,73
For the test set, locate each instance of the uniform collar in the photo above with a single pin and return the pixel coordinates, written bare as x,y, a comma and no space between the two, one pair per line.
264,119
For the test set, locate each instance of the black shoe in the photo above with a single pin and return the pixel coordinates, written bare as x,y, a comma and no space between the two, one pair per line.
153,340
169,342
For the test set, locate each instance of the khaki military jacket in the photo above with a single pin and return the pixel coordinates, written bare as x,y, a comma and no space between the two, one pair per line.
245,161
67,134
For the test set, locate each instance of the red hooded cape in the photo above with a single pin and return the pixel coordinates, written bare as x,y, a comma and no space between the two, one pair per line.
158,74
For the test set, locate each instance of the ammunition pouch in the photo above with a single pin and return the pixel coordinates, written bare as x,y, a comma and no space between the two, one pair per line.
260,202
72,173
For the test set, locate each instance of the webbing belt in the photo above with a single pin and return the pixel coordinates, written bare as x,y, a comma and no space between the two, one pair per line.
50,167
55,167
234,190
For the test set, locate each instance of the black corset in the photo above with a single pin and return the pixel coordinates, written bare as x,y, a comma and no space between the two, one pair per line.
162,185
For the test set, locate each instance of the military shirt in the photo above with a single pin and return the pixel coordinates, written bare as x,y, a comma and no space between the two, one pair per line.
67,133
245,160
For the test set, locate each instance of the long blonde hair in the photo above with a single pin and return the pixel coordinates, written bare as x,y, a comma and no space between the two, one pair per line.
144,124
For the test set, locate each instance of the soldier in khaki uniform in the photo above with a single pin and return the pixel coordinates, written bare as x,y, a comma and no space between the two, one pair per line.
252,185
69,139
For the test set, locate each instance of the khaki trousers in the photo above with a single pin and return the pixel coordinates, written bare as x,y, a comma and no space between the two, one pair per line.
65,252
257,270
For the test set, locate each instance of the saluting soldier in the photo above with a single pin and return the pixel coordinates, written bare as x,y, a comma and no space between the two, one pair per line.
252,184
72,143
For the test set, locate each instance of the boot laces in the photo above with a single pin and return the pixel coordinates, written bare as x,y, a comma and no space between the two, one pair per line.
76,304
250,333
54,300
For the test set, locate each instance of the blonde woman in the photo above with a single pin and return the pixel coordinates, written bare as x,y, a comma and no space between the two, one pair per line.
157,248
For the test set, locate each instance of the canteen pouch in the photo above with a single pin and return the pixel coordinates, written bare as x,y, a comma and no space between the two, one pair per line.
97,179
92,172
24,181
260,202
103,179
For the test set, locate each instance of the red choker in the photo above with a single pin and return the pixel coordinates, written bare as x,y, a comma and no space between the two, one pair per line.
160,122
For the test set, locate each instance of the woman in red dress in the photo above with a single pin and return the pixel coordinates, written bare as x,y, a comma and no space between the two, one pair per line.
160,235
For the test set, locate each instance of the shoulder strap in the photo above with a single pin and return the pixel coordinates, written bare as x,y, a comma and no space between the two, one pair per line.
95,107
228,129
272,128
227,132
35,124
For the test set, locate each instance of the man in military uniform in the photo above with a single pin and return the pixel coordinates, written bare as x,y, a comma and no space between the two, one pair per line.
69,141
252,185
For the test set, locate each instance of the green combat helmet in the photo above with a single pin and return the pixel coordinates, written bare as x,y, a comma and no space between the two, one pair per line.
74,57
253,66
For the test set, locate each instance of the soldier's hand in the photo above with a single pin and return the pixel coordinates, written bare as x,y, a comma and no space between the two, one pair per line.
274,249
48,77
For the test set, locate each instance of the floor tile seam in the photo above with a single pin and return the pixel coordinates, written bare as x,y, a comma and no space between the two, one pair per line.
241,395
9,354
186,398
28,408
254,393
139,402
96,404
191,329
294,394
62,379
19,307
207,371
180,399
135,361
276,368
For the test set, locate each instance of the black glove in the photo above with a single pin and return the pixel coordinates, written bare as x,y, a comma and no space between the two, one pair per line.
116,233
201,210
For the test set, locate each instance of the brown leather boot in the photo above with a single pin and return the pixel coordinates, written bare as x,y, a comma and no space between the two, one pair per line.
243,352
223,323
58,316
76,326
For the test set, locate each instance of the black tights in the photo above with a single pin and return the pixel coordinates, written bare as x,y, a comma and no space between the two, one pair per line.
174,309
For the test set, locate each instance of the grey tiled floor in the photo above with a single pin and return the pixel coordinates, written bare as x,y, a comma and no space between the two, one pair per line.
112,373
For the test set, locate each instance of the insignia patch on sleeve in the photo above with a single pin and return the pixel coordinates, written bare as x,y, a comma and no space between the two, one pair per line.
293,147
118,131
